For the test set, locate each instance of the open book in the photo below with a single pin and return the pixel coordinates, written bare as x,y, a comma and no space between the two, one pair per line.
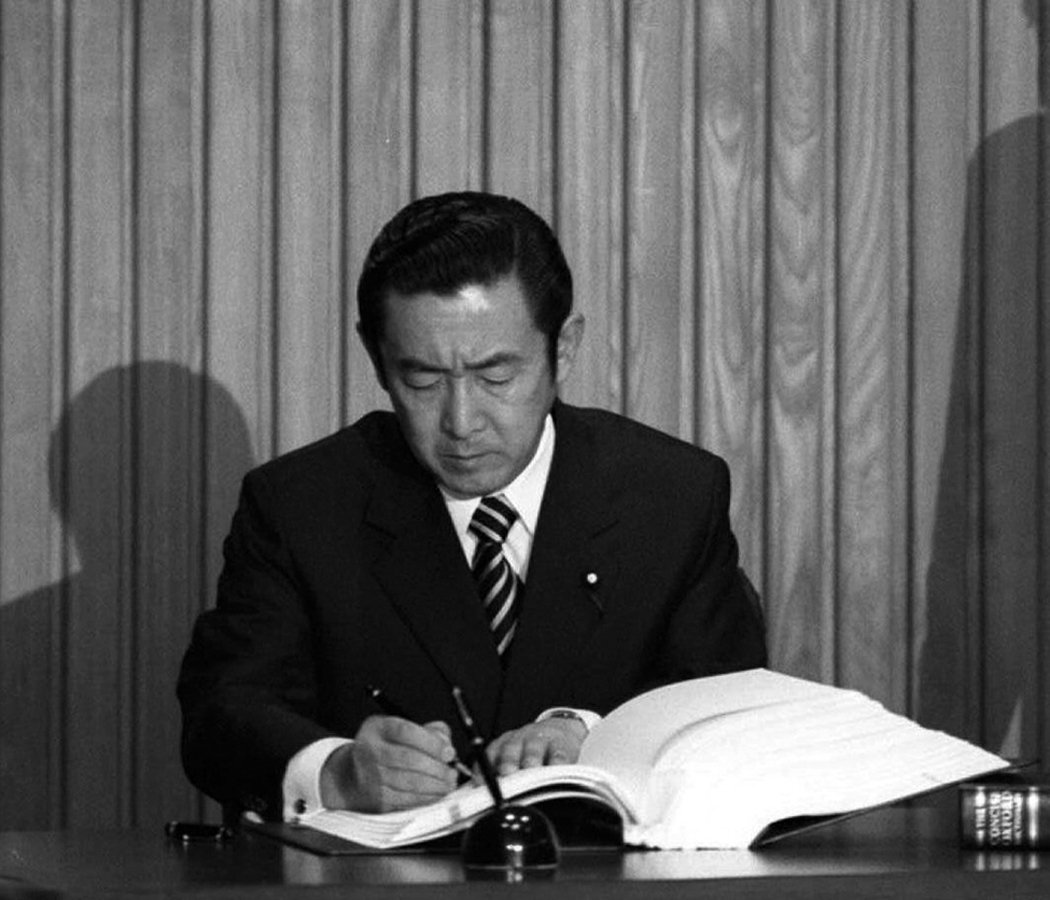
728,761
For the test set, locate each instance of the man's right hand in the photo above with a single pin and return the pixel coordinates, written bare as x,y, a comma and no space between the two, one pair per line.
391,764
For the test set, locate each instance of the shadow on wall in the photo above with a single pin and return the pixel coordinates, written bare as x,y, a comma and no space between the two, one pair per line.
981,652
145,466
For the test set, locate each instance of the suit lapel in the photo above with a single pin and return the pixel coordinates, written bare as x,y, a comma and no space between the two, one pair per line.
572,570
421,568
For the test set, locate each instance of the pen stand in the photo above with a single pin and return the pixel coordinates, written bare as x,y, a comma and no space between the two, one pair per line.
511,838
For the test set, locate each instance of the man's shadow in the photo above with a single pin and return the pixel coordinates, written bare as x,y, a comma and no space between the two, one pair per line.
145,465
978,675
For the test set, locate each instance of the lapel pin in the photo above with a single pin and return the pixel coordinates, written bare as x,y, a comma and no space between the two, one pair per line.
590,581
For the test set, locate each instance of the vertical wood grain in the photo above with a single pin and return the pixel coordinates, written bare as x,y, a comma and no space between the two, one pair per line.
1043,557
380,157
810,236
1043,552
307,220
519,102
166,409
871,605
802,316
31,336
1009,159
240,225
98,514
731,270
451,67
945,260
659,215
591,129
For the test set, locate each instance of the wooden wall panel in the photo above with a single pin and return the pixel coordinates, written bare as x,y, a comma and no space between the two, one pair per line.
32,333
165,409
450,81
1008,158
519,99
731,259
946,690
1041,714
380,158
97,733
310,322
659,211
810,236
240,288
590,186
802,311
871,611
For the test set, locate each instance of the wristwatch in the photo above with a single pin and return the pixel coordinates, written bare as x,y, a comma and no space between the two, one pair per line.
568,714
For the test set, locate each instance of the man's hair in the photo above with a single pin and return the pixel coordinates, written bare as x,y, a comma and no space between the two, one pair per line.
440,243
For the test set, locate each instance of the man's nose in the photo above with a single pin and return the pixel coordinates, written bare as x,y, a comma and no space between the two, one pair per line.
460,415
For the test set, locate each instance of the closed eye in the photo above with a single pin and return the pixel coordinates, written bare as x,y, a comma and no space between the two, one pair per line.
501,370
420,379
498,377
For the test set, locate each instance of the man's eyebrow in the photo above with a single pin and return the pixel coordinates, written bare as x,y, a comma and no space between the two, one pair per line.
410,364
506,358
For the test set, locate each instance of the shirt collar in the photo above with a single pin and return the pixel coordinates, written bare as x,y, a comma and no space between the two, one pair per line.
525,492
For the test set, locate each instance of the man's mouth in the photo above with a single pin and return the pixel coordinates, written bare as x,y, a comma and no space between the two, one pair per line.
464,459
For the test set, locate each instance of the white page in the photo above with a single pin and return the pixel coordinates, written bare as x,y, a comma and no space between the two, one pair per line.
720,758
718,782
629,741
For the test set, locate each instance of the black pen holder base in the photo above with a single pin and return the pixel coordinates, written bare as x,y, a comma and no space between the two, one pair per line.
511,838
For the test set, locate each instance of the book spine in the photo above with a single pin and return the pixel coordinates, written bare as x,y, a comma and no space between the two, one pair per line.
1004,817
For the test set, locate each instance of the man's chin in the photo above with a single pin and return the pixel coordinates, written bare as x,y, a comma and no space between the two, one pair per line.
464,486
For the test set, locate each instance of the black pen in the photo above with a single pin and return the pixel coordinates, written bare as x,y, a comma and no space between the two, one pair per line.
477,743
388,706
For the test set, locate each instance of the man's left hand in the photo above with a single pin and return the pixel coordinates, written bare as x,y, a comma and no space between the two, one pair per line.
546,743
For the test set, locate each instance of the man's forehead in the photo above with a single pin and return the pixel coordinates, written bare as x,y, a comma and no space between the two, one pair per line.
473,291
473,297
472,325
500,302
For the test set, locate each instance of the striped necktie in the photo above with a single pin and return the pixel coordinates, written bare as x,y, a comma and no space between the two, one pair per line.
498,586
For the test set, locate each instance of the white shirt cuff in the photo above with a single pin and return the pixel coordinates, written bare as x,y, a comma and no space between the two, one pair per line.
589,718
301,787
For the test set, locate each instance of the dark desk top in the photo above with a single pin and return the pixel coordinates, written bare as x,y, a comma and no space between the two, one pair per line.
900,852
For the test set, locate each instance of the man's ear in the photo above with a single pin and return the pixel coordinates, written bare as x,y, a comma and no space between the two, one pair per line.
374,355
569,339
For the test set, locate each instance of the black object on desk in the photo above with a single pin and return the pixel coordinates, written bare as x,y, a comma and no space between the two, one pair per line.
511,838
189,832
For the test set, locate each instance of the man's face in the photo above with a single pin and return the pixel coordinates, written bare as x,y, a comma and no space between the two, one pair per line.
470,381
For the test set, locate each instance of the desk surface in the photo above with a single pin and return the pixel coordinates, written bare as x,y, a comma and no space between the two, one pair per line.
899,852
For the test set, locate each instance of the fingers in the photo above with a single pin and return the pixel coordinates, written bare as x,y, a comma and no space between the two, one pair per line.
420,749
442,732
433,740
394,764
538,744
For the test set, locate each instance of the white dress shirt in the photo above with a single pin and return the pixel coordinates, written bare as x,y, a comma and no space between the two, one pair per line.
524,493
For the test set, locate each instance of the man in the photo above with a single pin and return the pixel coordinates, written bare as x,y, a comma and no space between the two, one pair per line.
376,558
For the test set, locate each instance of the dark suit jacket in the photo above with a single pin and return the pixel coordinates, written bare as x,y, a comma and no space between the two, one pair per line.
342,568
